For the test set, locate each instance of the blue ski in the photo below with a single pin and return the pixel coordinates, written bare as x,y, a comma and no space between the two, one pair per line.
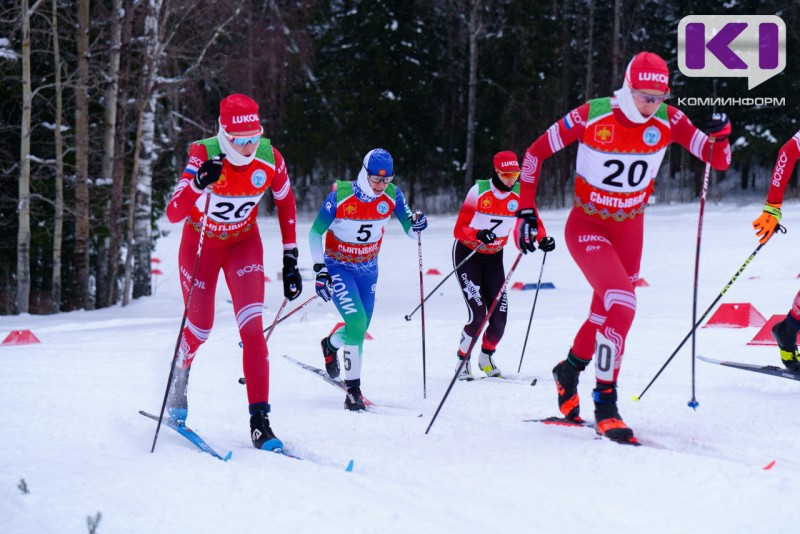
189,434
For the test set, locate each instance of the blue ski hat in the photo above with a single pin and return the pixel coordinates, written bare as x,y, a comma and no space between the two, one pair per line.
378,162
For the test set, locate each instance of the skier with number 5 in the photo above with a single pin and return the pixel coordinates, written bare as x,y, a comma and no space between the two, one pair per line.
621,143
484,222
227,175
354,215
765,225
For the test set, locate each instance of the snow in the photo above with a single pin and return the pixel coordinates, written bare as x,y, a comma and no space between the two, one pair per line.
70,428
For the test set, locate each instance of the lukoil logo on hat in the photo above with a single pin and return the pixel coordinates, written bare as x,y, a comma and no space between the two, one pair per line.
506,161
648,71
238,114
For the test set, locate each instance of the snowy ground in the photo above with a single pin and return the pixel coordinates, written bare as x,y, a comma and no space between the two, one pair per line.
69,424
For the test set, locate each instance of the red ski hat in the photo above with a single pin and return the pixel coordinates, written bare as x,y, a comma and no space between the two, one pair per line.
506,161
238,114
648,71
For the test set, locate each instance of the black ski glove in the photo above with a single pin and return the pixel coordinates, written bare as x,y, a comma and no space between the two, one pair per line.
292,283
547,243
209,172
486,236
525,231
718,126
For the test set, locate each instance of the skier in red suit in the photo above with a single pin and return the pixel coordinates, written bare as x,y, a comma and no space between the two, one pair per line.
622,140
765,225
225,178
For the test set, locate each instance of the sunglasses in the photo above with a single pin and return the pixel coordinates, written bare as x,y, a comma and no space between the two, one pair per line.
380,179
507,175
244,140
644,98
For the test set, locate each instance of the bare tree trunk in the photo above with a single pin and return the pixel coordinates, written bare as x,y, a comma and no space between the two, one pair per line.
474,30
615,41
58,223
144,208
116,216
82,160
109,254
140,209
24,205
590,52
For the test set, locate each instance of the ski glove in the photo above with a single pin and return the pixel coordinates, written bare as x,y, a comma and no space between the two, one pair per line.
525,231
419,222
547,243
766,223
718,126
323,285
209,172
292,282
486,237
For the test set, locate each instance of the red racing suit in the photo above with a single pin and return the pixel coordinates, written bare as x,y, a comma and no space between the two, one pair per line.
781,174
616,166
232,244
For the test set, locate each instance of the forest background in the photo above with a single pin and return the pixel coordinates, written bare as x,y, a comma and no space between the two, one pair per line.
99,101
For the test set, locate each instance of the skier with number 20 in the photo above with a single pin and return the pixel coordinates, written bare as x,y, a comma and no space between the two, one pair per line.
622,140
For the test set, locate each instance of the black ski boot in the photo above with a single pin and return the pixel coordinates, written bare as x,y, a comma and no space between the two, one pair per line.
262,435
608,421
566,375
177,402
331,360
353,400
786,337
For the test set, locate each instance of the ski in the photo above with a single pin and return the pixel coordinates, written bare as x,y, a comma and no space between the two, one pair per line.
764,369
337,382
512,378
190,435
581,423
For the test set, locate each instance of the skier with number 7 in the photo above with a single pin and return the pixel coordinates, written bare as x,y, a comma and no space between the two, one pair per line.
483,224
622,140
354,215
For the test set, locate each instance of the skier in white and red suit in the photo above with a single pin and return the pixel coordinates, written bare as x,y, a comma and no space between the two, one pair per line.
765,225
622,140
230,173
486,219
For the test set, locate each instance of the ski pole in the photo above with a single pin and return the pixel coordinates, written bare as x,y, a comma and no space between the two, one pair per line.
462,262
697,323
422,305
275,321
530,321
183,320
474,339
297,309
706,174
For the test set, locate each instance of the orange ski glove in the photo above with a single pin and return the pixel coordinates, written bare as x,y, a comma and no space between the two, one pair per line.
767,222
